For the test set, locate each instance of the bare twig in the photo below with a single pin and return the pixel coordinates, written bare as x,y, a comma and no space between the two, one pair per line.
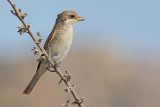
25,29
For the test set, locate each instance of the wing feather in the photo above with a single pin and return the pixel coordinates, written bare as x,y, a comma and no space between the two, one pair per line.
50,38
48,41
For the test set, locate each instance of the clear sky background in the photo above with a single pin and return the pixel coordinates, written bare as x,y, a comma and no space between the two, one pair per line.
130,28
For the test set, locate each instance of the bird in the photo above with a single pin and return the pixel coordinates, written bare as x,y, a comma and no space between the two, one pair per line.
57,44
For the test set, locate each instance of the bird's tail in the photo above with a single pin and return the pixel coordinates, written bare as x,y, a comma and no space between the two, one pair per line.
40,71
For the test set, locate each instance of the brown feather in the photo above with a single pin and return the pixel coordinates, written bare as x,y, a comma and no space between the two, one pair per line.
49,39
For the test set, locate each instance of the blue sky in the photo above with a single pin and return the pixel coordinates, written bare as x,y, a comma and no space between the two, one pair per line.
129,27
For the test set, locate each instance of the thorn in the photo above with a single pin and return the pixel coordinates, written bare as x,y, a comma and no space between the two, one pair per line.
67,89
79,101
73,87
67,103
38,34
40,40
67,76
13,12
60,81
24,15
21,29
20,10
67,72
29,25
82,99
36,51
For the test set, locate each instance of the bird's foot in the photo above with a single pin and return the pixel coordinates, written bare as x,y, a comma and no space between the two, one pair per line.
51,70
55,67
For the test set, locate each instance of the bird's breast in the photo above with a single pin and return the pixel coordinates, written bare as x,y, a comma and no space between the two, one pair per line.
61,41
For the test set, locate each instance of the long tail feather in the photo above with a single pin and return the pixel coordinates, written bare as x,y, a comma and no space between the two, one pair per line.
32,83
40,71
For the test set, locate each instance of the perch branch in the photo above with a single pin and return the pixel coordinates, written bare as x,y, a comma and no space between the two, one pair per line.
26,28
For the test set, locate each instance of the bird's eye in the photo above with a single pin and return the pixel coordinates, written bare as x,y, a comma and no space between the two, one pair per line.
72,16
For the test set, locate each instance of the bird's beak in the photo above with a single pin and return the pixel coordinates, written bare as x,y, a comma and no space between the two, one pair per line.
80,19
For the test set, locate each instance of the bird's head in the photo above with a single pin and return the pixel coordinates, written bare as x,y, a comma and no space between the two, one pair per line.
69,17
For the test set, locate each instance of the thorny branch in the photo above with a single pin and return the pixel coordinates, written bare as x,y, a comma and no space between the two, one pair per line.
64,78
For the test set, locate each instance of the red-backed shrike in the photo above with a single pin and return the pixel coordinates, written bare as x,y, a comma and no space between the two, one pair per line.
57,44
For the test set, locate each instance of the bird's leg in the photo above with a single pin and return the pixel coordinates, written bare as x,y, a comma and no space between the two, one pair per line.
52,70
55,67
49,68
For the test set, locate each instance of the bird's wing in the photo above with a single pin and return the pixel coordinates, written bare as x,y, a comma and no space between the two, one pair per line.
48,41
50,38
39,64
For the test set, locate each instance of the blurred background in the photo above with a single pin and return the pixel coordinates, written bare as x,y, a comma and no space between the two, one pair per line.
114,59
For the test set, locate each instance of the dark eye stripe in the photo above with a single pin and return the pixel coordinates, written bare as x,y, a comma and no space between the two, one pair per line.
72,16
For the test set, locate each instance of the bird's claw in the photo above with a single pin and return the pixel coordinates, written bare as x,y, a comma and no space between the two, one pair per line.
50,70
